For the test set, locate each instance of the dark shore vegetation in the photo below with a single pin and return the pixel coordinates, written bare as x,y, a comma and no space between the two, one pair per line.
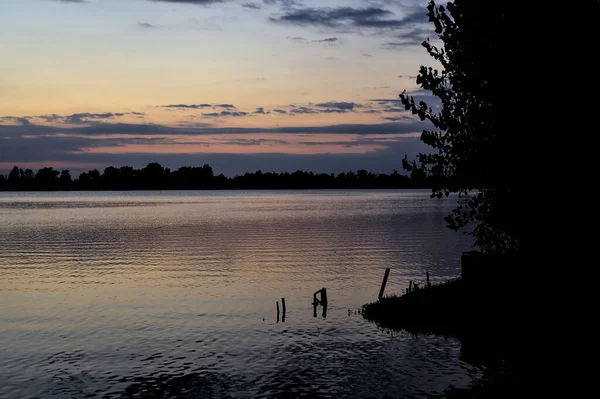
156,177
481,312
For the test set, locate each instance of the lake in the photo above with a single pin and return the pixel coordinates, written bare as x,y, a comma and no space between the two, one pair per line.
173,294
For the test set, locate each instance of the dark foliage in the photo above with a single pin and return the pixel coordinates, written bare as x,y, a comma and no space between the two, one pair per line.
156,177
472,154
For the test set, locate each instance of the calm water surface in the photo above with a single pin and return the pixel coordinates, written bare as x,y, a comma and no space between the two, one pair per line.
172,294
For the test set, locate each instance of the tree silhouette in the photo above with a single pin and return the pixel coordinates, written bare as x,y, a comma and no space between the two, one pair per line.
471,157
14,175
156,177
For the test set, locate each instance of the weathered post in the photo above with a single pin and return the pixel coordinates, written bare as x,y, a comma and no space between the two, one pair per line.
428,283
324,301
324,296
387,273
410,287
283,306
277,302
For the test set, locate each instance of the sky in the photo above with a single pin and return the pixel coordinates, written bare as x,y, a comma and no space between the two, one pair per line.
275,85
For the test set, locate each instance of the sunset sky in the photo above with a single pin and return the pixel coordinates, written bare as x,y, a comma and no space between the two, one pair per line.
240,84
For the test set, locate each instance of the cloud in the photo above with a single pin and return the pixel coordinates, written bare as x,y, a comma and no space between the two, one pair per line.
280,111
104,128
297,39
407,76
343,106
233,113
183,106
366,55
333,111
304,110
260,110
24,121
51,118
71,1
285,4
226,113
79,118
86,117
329,40
387,100
347,18
394,109
196,106
198,2
413,37
397,118
333,41
251,6
372,111
147,25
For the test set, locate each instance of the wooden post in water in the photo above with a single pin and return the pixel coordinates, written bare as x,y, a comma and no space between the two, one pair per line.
277,302
283,306
324,301
387,273
324,296
410,286
428,283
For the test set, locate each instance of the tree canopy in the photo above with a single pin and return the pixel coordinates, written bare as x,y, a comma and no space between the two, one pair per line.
471,155
154,176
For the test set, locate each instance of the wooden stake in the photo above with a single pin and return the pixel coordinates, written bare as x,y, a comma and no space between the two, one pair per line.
324,296
385,278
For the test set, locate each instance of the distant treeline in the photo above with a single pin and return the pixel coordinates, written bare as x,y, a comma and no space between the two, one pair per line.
156,177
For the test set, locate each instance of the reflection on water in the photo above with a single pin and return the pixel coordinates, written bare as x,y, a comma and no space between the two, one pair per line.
141,294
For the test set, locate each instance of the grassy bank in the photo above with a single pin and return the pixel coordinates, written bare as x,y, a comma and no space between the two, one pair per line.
437,309
483,315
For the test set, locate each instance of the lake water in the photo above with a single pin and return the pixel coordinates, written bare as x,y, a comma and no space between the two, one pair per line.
173,294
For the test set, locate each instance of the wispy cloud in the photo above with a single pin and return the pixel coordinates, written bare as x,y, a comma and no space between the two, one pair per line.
184,106
251,6
329,40
343,106
226,113
197,2
196,106
348,18
285,4
73,119
147,25
21,120
413,37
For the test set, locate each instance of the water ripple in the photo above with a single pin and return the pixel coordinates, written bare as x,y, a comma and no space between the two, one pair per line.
136,295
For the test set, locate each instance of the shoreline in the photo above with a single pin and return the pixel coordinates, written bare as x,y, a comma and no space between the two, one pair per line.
476,309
